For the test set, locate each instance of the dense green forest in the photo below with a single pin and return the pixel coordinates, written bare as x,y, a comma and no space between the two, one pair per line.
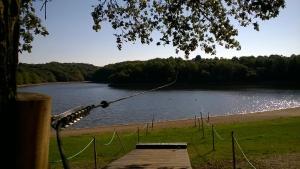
54,72
274,69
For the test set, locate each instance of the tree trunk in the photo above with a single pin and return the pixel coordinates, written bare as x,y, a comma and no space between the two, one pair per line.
9,41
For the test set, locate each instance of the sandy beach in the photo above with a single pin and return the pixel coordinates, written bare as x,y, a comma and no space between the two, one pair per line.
267,115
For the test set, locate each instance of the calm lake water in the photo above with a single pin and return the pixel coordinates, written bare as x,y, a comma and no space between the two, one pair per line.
163,104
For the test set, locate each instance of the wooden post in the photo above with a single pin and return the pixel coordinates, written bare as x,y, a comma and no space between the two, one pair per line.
233,151
120,141
202,124
195,122
208,117
33,130
147,129
198,123
138,135
152,121
213,136
95,153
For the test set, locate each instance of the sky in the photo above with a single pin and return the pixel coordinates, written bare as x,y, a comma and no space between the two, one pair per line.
72,38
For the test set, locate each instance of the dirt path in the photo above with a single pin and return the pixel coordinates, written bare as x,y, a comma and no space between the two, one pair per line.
291,112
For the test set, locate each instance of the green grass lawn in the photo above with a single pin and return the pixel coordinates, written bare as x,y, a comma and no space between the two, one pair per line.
267,143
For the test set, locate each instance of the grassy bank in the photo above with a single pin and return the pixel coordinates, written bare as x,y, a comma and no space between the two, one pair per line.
273,143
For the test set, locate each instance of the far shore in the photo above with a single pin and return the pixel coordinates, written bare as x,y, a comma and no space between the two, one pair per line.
46,83
210,86
236,118
180,86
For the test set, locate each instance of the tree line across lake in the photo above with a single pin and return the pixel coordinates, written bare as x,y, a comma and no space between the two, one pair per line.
273,69
54,72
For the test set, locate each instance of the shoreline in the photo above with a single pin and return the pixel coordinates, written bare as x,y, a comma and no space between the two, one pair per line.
212,86
220,119
47,83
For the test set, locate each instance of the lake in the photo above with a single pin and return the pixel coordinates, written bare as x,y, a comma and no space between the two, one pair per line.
163,104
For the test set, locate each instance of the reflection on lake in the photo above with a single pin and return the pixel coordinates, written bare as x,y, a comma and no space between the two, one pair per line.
163,104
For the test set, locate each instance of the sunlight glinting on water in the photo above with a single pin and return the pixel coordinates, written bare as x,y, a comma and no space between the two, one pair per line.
164,104
258,104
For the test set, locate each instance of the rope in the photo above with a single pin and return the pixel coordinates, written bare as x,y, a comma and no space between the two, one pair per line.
144,92
132,133
111,140
69,158
120,142
243,153
218,135
215,131
76,114
145,126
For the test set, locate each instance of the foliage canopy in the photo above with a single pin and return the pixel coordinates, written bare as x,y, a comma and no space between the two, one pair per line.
186,24
274,69
54,72
30,24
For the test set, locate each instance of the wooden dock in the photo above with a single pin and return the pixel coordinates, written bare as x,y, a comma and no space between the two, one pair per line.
163,156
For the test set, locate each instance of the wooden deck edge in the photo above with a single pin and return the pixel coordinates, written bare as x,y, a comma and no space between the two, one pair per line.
161,146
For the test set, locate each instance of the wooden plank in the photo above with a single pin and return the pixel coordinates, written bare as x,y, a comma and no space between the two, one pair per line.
161,146
153,158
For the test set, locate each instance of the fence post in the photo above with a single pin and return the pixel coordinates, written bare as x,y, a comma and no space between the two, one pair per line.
95,153
195,122
33,111
233,151
120,141
208,117
198,123
138,135
202,124
213,136
147,129
152,121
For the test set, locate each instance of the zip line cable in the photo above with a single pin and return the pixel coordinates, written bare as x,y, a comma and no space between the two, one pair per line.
74,115
143,92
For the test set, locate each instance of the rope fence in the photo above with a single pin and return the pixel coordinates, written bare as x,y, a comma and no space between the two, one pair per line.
217,134
145,126
208,124
112,138
132,133
120,141
115,134
201,124
240,148
74,115
82,150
